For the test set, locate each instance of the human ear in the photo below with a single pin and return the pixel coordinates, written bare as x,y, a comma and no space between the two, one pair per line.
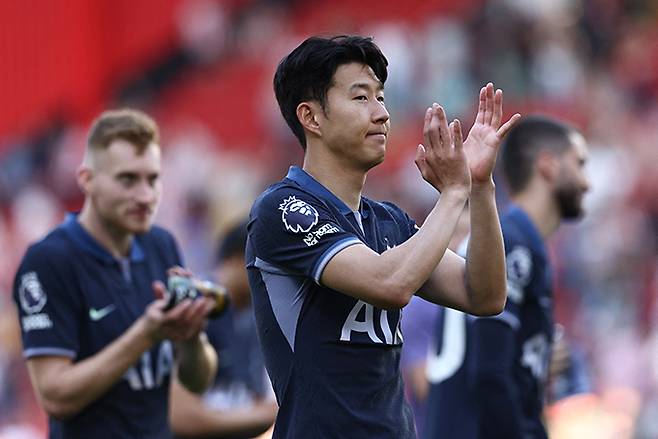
84,177
547,165
307,114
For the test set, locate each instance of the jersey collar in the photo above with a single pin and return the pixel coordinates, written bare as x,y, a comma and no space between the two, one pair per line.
85,241
305,180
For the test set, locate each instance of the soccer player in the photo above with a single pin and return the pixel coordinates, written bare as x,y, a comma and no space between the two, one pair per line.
488,375
330,270
96,334
240,403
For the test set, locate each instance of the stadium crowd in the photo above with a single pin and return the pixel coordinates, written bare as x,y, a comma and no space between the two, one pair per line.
593,63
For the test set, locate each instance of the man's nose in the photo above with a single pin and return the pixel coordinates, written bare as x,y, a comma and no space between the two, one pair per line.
380,113
145,192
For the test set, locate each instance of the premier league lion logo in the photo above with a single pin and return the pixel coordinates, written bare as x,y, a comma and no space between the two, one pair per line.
31,294
298,216
519,265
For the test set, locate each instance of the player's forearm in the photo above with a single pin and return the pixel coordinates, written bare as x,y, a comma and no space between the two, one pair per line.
245,422
197,363
191,418
485,262
407,267
66,389
390,279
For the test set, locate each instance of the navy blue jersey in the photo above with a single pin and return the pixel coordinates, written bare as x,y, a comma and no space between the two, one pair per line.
451,404
241,378
334,360
488,375
74,298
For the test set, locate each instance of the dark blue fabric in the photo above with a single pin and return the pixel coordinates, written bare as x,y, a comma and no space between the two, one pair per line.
234,337
498,391
89,303
329,379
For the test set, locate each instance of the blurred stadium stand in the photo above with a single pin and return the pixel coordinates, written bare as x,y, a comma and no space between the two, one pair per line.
203,68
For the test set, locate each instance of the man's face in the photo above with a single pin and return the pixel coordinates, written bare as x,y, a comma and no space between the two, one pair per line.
125,186
572,181
355,123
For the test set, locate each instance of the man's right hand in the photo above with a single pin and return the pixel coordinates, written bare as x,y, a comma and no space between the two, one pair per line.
441,160
181,323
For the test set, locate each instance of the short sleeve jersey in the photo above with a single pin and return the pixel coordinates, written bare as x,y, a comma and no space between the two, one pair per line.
334,360
74,299
528,313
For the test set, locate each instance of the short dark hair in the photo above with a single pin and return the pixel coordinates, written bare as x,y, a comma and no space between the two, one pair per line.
125,124
523,143
233,243
307,72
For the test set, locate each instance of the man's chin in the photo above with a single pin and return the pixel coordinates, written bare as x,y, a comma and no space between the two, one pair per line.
139,227
376,159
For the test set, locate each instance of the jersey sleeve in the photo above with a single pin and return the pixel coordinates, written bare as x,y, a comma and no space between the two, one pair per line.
48,312
519,265
294,232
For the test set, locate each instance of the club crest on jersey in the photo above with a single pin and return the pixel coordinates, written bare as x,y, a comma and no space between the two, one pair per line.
32,296
298,216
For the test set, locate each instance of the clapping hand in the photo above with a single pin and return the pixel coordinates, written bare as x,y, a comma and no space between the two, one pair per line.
486,134
441,159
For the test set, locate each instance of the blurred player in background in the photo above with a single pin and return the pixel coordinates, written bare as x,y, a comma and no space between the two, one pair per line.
96,335
241,403
489,375
419,326
330,270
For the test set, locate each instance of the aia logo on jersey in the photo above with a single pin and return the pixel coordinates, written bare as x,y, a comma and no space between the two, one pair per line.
298,216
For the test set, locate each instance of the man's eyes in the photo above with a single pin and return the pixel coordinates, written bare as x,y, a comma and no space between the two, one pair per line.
127,179
365,98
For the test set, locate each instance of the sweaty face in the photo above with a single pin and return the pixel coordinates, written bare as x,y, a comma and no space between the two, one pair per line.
355,123
572,181
125,187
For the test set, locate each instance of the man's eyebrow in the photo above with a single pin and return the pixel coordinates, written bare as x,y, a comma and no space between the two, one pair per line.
367,86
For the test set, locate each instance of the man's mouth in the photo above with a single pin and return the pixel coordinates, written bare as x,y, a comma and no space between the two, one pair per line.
140,212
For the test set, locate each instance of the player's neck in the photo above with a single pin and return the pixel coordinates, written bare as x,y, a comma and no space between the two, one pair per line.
116,243
343,181
540,207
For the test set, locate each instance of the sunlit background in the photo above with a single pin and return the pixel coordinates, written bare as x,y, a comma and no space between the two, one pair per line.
203,69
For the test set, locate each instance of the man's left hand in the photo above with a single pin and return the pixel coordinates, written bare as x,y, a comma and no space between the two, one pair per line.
481,145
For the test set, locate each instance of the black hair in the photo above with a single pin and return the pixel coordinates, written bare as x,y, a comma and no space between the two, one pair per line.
523,143
307,72
233,243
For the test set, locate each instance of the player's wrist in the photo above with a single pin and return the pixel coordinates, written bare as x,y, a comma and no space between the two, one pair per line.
485,187
147,330
456,193
193,344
